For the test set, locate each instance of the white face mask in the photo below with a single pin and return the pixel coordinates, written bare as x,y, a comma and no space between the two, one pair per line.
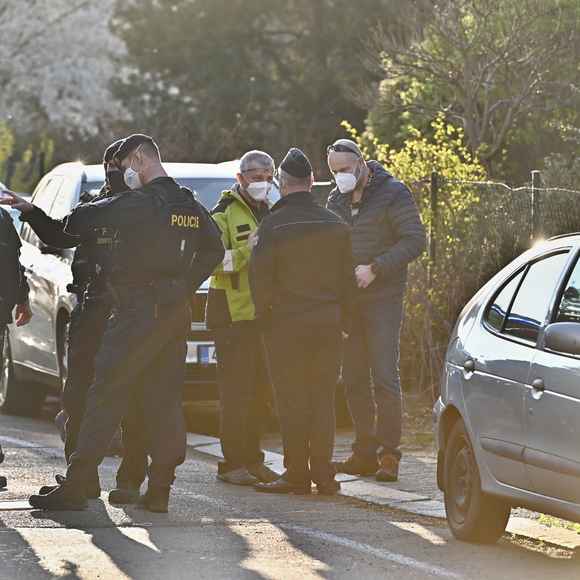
346,182
259,190
132,178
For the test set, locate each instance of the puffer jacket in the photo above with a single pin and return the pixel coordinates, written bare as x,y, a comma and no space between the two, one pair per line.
386,231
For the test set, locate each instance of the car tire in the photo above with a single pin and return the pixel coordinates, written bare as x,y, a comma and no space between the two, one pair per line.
15,398
472,515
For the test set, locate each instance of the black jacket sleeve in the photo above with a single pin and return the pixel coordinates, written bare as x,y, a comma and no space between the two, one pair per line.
14,287
262,269
118,210
210,252
409,231
50,231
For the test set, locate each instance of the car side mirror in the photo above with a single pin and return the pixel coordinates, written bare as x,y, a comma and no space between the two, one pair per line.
563,337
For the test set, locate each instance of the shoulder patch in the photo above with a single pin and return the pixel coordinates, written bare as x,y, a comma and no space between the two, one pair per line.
222,205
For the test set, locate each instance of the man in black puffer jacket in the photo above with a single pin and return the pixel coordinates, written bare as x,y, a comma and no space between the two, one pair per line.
387,234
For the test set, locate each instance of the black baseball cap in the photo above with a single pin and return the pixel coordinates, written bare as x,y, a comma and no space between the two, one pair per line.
296,163
110,151
131,143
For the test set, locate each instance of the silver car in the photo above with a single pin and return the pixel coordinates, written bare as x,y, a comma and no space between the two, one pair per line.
508,418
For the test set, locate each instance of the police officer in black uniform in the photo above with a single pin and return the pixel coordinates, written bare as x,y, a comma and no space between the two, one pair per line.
165,245
302,283
87,325
13,288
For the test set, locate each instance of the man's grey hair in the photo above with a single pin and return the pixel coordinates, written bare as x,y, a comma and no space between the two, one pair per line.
285,180
256,160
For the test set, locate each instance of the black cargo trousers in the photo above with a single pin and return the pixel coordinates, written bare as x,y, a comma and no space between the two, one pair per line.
140,365
86,330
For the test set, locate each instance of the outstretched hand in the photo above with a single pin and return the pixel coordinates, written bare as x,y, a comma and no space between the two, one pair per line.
8,197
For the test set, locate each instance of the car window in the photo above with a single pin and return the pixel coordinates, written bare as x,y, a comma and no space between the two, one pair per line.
530,306
498,309
65,199
91,188
43,198
569,307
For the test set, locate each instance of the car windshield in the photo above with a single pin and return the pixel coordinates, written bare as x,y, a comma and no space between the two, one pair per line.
207,189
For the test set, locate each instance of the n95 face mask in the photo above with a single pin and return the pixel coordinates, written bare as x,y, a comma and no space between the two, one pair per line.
346,182
259,190
132,179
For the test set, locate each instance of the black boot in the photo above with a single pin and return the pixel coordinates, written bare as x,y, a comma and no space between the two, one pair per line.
156,499
125,494
3,482
331,487
356,465
65,497
93,490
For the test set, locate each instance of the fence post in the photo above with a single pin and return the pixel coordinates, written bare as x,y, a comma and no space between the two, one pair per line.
536,221
433,206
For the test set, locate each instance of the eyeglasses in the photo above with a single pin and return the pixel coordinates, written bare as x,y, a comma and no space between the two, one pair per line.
342,148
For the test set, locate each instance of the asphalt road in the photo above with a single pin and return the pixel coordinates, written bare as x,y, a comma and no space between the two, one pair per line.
217,531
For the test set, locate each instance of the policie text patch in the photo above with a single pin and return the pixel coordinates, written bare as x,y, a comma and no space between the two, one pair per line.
184,221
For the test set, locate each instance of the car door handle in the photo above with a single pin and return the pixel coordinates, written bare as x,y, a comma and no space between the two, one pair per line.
538,385
469,365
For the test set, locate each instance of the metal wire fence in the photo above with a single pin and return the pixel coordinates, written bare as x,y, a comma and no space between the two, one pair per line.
475,228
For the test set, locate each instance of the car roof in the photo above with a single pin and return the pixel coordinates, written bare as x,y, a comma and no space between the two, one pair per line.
176,170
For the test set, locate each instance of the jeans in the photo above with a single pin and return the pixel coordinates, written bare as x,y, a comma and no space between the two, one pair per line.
244,394
371,376
304,361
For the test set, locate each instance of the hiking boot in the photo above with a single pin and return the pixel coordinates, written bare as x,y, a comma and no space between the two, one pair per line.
282,485
240,476
356,465
331,487
388,468
64,498
262,473
3,482
156,500
93,490
125,494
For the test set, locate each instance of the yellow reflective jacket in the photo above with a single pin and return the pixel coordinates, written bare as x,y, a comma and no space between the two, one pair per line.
229,299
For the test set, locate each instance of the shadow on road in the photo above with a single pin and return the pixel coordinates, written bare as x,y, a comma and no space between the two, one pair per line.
147,546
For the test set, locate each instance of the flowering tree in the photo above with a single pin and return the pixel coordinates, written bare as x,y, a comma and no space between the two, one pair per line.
57,59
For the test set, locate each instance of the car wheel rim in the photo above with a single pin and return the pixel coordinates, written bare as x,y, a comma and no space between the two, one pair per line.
5,372
461,482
